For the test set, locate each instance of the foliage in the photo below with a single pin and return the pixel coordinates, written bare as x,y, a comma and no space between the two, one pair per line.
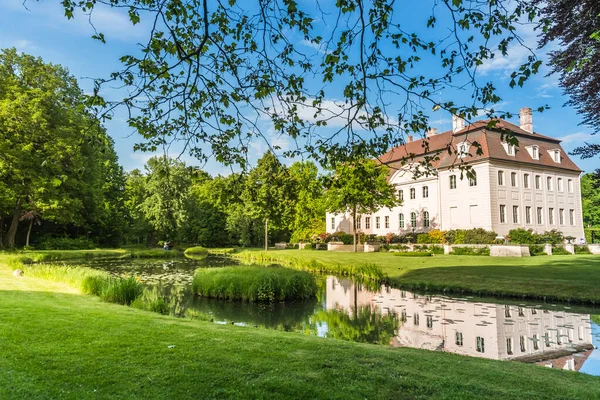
434,236
537,250
590,198
470,236
470,251
559,251
254,284
197,250
65,243
430,248
522,236
413,254
308,246
582,250
120,290
576,25
553,237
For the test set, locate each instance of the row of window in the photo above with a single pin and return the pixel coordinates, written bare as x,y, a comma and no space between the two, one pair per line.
413,193
386,221
539,215
537,181
472,180
480,341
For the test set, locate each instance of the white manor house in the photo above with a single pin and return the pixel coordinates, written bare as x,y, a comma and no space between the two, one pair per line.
533,186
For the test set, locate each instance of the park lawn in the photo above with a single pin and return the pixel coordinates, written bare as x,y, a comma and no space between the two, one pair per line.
573,278
56,343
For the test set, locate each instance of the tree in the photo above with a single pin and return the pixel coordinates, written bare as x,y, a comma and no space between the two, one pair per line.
268,194
590,198
309,207
575,24
361,188
204,71
48,144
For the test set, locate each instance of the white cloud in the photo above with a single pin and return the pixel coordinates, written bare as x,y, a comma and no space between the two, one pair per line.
577,138
321,48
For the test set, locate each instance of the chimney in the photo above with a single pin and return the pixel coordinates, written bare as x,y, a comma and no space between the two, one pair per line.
431,132
409,139
525,119
457,123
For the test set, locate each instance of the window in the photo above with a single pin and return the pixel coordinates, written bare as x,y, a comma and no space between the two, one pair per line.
507,311
515,214
401,221
386,221
459,338
403,316
513,179
556,156
538,182
539,216
549,183
551,216
430,321
559,185
509,346
401,195
473,179
570,335
510,149
536,342
572,217
570,185
333,223
533,311
426,219
358,220
559,337
501,178
416,319
413,219
425,192
462,149
547,339
561,216
522,344
528,215
367,222
526,181
377,222
413,193
580,333
521,312
502,214
452,181
535,152
480,345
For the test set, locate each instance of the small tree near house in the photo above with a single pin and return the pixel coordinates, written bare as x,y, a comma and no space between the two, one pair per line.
360,188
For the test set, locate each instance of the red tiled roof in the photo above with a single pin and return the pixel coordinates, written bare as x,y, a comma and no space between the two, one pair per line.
434,149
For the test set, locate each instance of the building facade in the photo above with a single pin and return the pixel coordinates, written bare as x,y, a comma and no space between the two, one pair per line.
534,185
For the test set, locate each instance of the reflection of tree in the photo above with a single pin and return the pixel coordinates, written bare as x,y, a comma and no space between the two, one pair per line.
364,324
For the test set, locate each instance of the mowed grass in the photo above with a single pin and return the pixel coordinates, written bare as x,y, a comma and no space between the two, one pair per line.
55,343
565,278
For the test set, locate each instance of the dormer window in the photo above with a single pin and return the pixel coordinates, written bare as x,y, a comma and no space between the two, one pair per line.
462,149
534,152
509,148
555,155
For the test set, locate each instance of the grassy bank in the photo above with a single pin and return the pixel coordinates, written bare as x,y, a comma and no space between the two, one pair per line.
254,284
562,278
58,344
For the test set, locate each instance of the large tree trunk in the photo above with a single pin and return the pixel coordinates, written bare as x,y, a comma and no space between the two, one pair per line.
28,232
354,229
1,232
266,234
14,224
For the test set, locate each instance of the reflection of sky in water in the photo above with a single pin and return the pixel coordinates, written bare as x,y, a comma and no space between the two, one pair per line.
592,364
348,311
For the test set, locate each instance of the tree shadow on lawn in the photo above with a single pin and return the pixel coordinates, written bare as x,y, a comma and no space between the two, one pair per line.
563,279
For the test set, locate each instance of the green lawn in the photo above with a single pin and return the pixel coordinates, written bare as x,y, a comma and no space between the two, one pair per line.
56,343
571,278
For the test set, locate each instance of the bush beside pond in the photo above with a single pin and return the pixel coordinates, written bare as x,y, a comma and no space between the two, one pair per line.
255,284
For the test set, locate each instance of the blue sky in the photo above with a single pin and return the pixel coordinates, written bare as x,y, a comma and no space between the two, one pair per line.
42,30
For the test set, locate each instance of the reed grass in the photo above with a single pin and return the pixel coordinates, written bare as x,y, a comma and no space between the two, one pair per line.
197,251
363,271
254,284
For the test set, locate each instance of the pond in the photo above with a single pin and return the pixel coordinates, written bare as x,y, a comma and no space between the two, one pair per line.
551,335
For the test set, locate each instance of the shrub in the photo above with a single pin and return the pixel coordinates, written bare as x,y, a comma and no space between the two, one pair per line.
470,236
431,248
423,238
582,250
65,243
254,284
537,250
414,254
471,251
553,237
522,236
196,252
560,251
308,246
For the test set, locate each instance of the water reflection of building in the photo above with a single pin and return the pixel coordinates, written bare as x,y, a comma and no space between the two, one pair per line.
473,328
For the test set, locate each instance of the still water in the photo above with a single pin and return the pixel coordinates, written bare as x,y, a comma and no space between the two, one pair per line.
551,335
